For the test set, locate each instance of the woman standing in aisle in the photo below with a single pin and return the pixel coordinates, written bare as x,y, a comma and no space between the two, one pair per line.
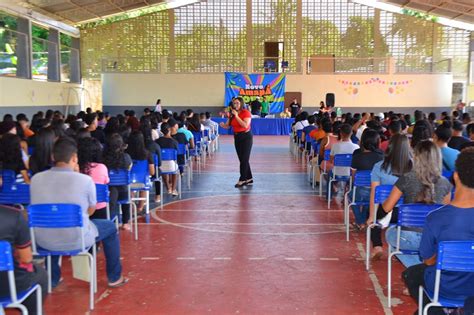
240,121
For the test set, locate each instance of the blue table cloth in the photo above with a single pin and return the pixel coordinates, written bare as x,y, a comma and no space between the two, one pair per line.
263,126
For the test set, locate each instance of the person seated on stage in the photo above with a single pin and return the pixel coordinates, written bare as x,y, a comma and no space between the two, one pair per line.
452,222
64,184
256,107
286,113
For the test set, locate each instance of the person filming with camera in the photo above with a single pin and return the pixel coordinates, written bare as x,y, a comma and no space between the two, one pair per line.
240,120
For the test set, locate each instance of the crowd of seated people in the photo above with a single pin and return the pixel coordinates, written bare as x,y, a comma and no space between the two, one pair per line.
62,158
422,158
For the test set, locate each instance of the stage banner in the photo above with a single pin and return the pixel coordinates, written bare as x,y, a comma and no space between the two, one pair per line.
251,86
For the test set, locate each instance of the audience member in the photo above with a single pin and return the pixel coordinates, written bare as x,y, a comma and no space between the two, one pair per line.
457,140
167,142
441,138
11,157
14,229
63,184
452,222
42,157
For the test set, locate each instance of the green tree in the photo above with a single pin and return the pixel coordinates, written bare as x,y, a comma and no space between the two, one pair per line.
320,38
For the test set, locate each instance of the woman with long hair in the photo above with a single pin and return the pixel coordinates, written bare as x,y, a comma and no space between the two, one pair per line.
364,159
423,184
240,120
89,154
42,157
167,142
397,161
112,126
153,148
137,151
11,157
115,158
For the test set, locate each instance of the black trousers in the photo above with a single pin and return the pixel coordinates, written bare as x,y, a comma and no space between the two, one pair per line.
243,145
376,233
413,277
38,276
119,193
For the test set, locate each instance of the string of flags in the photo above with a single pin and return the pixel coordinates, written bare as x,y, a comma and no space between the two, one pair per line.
394,87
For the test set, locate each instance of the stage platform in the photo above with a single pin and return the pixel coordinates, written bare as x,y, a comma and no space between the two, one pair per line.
263,126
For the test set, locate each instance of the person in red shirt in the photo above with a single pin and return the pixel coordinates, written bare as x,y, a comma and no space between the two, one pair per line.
240,120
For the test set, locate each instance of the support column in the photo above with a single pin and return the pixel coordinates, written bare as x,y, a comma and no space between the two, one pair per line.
249,30
299,34
23,49
54,56
172,52
75,61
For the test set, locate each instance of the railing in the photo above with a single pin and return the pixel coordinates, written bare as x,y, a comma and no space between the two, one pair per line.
325,65
311,65
202,65
9,43
423,65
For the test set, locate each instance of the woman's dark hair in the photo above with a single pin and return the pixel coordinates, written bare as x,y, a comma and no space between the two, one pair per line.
165,128
158,101
70,119
370,140
145,128
58,127
428,167
19,131
42,157
136,146
407,119
194,124
420,133
398,158
10,152
114,153
89,151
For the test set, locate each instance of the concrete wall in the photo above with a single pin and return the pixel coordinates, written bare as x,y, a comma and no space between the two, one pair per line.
353,92
30,96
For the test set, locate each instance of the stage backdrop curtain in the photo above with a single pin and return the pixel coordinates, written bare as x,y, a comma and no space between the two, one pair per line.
263,126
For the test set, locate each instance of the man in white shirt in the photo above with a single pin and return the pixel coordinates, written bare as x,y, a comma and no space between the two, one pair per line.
64,184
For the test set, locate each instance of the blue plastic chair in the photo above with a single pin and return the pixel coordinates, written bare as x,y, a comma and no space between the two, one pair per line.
327,157
183,150
157,177
15,195
447,174
62,216
16,298
340,160
8,178
171,155
315,155
361,179
140,181
381,194
409,216
103,195
453,256
197,152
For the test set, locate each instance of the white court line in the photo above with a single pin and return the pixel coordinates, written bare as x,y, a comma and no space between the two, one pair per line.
150,258
328,259
186,258
221,258
256,210
375,282
294,258
245,224
256,258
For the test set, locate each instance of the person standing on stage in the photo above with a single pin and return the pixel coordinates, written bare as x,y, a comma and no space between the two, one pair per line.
295,108
265,107
240,121
158,107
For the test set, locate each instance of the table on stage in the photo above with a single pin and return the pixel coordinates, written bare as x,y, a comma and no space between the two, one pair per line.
263,126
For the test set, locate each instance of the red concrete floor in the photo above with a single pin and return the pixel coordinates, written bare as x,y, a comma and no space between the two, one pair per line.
227,252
